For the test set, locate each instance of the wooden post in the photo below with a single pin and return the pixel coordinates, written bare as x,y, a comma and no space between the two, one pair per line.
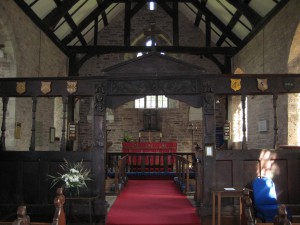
63,131
244,145
275,97
99,137
32,142
209,139
3,127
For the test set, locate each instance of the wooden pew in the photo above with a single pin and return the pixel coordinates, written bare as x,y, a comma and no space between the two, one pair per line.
120,174
182,178
248,217
59,217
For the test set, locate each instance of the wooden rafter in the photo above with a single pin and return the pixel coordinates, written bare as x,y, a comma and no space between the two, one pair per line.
127,24
175,24
85,22
103,14
217,22
52,19
253,17
70,22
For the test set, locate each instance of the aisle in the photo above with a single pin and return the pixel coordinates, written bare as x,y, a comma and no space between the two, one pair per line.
152,202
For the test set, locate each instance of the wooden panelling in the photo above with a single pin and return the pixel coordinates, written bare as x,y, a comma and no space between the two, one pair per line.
224,173
250,170
24,179
241,167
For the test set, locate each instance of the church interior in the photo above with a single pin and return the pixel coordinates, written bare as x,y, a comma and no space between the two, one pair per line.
200,93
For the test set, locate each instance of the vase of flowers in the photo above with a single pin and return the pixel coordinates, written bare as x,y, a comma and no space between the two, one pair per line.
74,177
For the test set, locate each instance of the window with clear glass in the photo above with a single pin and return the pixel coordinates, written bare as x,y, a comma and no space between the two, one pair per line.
151,102
139,103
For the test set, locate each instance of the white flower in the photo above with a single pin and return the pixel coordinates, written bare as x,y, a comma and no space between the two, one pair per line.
75,175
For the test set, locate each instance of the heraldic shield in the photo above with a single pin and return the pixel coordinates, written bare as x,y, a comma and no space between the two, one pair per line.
45,87
235,84
21,87
262,84
71,86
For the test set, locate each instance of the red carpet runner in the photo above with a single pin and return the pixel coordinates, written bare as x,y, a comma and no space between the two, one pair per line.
152,202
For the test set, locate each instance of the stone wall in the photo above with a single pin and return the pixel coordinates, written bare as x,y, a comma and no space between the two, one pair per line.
28,53
175,122
274,50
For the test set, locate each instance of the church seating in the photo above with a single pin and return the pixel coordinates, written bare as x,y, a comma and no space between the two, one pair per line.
118,174
59,217
184,178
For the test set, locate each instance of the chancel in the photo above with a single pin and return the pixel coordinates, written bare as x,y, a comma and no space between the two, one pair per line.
186,103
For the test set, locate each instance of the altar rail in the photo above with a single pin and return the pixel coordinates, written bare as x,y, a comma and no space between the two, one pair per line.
147,163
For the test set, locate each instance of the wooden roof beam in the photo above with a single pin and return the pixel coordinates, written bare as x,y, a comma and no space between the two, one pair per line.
53,18
217,22
89,19
253,17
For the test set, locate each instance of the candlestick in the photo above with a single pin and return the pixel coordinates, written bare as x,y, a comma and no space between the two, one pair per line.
160,135
139,134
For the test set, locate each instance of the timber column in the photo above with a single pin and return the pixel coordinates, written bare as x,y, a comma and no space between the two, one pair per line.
99,137
209,150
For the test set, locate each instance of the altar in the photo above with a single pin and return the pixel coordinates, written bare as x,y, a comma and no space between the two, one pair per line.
150,153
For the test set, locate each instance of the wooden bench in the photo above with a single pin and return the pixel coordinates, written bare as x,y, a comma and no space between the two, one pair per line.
248,213
59,217
183,174
119,175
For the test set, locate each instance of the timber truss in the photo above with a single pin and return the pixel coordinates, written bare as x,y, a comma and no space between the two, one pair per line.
222,21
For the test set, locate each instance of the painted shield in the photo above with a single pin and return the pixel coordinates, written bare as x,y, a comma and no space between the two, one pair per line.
288,83
21,87
235,84
71,86
262,84
45,87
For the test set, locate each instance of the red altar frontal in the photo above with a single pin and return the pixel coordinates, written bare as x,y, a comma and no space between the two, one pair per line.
153,152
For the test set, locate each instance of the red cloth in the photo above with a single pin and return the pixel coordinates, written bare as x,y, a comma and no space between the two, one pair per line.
150,147
152,202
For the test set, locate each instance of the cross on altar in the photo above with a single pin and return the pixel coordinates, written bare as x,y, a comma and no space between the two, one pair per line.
152,32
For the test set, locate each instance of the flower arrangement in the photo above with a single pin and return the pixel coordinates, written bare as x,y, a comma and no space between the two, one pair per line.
127,137
74,176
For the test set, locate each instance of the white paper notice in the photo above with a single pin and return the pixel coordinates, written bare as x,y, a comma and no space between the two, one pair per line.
229,189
